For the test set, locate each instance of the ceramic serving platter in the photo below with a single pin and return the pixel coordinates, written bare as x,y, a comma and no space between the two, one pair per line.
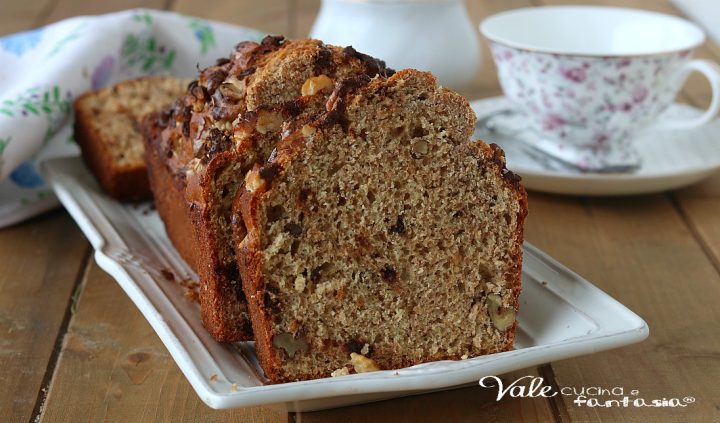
670,159
562,315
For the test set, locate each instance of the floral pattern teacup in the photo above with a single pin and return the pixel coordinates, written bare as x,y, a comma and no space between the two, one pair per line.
589,78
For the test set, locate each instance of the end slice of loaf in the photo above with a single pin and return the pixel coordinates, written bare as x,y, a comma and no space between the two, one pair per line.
380,237
231,118
107,129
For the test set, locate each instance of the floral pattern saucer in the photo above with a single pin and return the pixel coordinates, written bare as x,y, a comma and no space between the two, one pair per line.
669,159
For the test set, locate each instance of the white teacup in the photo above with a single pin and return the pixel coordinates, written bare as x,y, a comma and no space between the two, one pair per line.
589,78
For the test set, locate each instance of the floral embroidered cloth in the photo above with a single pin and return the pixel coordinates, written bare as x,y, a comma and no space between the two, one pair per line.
44,69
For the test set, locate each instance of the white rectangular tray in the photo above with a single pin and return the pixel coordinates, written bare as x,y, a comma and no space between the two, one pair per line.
561,314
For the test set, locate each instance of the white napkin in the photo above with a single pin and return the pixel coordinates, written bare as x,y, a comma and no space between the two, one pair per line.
43,70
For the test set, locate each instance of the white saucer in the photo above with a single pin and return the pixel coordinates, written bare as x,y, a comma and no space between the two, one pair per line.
670,159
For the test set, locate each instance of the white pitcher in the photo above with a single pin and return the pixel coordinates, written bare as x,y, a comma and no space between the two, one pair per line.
434,35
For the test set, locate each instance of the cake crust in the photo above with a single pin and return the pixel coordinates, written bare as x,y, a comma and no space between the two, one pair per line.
168,192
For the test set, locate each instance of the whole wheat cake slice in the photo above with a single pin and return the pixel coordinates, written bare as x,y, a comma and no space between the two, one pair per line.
231,118
107,129
379,236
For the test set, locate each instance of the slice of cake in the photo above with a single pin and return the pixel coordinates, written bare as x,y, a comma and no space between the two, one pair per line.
230,119
379,236
107,129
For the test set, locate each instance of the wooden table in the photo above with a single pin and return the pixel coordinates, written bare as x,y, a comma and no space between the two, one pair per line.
74,348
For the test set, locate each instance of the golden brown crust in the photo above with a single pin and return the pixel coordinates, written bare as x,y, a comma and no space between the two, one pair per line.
225,315
494,154
169,199
248,263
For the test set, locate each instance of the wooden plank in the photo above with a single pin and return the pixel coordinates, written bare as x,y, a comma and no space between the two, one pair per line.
68,8
472,404
699,204
113,367
640,251
652,263
22,15
271,16
41,261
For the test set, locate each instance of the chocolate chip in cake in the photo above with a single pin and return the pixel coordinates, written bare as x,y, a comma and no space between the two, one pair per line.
398,227
219,141
293,229
303,195
354,346
323,61
274,213
186,118
269,171
215,79
389,274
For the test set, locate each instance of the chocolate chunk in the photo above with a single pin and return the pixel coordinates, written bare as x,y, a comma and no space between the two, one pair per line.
269,171
373,65
354,346
270,43
275,213
219,141
510,176
186,117
272,40
323,61
292,107
222,61
398,227
348,85
499,158
214,80
293,229
337,102
303,195
164,117
389,274
271,299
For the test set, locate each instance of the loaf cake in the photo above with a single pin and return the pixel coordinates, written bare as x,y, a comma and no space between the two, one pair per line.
378,236
107,129
230,119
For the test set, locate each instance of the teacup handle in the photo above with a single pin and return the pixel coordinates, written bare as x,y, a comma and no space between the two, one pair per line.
711,70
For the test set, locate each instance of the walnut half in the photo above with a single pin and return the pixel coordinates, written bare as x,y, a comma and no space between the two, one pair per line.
289,343
268,121
502,317
362,364
316,84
